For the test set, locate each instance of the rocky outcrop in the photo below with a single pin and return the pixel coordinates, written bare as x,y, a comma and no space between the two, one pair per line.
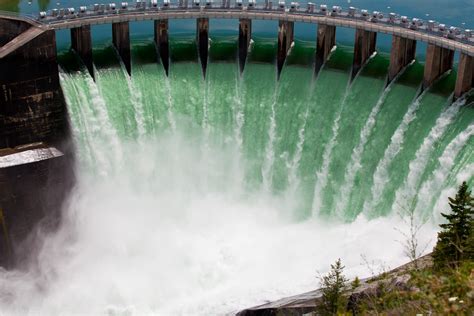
306,303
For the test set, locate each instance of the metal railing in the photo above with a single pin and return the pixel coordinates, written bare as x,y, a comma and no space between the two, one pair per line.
392,23
30,18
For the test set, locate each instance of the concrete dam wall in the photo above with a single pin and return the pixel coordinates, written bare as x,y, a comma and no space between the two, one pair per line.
35,178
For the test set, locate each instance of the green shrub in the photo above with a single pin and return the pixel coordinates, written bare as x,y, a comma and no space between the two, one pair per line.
454,243
332,287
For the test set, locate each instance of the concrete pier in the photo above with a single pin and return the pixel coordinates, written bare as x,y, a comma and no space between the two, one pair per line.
81,43
465,78
438,61
202,40
245,33
402,54
326,40
11,29
285,39
162,43
121,40
364,47
32,107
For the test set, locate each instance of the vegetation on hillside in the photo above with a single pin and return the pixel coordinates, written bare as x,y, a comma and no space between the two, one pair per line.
438,284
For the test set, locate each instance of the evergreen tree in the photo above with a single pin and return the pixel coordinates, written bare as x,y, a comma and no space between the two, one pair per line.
453,245
332,287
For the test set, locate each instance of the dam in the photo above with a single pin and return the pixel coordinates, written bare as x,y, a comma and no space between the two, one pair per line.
443,42
165,143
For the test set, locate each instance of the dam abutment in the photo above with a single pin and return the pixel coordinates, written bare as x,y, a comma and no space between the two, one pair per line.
32,105
121,41
285,40
35,150
81,43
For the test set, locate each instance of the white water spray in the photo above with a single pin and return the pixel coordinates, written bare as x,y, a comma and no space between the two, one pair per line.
323,173
356,157
238,109
381,176
169,111
137,103
417,166
431,189
267,168
98,121
293,179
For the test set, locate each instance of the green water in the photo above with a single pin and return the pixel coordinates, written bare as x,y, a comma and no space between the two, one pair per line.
336,148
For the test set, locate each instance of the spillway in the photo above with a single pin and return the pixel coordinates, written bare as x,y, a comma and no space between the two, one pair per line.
201,196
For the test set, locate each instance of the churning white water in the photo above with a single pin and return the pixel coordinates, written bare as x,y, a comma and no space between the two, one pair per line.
150,239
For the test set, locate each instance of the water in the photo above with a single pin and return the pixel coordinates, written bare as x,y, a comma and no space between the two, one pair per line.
204,197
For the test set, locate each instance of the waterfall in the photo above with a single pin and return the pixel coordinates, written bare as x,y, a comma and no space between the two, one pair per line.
431,188
381,176
269,150
292,166
205,108
80,130
238,124
170,207
355,164
417,166
137,103
98,134
239,117
169,99
323,173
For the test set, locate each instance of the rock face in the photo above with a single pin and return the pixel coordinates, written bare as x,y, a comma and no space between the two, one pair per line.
294,305
306,303
34,179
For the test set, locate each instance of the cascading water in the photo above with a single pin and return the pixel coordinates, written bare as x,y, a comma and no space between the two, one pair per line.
204,197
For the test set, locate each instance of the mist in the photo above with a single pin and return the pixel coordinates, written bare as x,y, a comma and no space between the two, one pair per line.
173,230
